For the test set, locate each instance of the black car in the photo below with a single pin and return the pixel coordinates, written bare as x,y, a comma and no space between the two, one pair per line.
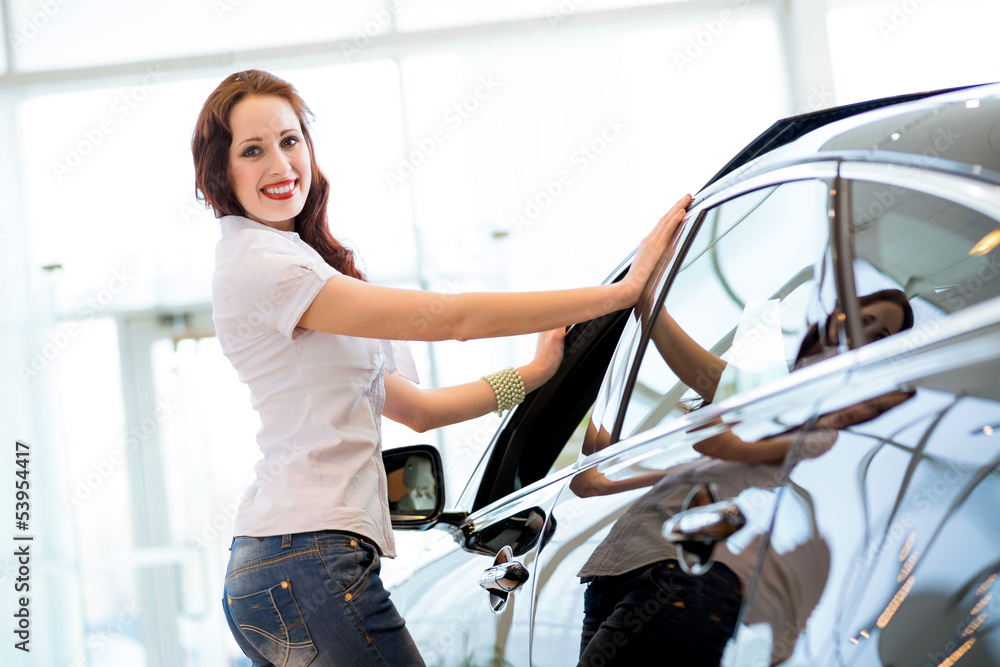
772,411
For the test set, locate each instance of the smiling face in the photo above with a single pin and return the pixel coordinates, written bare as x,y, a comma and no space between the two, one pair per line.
269,166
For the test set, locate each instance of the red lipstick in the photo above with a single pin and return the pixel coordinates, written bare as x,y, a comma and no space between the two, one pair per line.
292,186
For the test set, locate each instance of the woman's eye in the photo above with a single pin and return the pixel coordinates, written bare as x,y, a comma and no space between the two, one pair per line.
253,151
290,141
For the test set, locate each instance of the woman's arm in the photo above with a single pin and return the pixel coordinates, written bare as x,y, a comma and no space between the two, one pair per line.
355,308
426,409
694,365
730,447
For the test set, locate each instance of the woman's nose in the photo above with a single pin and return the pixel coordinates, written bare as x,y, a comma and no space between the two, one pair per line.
279,163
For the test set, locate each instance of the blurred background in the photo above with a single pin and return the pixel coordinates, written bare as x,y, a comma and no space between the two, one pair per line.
524,144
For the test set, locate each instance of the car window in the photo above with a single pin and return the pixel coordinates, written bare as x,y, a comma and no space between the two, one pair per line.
753,282
951,131
942,255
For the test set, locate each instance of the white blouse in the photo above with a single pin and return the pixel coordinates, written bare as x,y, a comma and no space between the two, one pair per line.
319,395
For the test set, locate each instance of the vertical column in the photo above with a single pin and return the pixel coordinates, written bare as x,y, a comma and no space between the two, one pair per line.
158,584
810,72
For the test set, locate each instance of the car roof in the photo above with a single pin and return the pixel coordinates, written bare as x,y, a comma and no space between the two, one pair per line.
880,125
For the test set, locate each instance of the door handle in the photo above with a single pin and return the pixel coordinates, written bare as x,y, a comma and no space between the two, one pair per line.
698,526
505,576
709,523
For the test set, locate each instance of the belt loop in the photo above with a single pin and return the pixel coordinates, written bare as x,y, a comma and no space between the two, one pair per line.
286,541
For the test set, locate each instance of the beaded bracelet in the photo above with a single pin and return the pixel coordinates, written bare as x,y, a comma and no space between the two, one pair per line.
508,387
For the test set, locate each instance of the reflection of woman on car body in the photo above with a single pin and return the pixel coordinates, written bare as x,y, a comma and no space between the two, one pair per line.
638,599
308,335
883,313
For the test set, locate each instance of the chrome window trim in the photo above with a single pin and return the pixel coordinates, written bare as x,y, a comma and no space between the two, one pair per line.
921,163
957,188
799,170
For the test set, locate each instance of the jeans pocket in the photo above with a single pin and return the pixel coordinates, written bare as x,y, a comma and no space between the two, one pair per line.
272,623
349,562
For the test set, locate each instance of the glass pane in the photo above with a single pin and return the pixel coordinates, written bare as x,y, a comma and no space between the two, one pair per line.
736,314
123,223
956,132
354,143
96,493
55,34
208,449
885,47
508,162
942,255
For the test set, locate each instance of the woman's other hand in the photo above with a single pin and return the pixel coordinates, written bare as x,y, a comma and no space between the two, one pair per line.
548,357
653,247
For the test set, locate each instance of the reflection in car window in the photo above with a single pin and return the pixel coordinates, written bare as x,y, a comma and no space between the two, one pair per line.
747,293
931,132
943,255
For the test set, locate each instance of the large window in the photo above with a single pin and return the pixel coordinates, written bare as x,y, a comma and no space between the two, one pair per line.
748,291
59,34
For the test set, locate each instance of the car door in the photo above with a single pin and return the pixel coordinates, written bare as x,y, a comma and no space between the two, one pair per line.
905,500
752,280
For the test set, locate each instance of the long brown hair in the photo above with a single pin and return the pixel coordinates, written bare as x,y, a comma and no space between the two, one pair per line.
210,147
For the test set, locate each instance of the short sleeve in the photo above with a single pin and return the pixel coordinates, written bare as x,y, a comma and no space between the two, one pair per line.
274,281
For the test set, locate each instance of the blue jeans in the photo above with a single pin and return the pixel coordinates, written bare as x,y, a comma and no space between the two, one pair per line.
658,610
313,599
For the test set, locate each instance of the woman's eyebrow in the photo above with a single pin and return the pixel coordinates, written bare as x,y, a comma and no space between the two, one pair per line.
283,133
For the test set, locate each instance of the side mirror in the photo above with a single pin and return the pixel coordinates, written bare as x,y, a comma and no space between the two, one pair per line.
416,485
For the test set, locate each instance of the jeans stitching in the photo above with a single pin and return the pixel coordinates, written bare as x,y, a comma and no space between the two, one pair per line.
329,574
364,630
278,640
282,646
271,560
364,574
284,627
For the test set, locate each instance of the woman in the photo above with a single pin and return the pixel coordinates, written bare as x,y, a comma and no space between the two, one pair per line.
308,335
